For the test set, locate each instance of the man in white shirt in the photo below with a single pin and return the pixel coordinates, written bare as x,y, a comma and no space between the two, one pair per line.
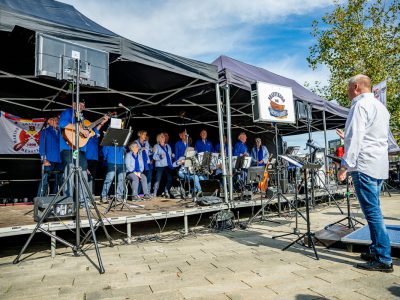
366,159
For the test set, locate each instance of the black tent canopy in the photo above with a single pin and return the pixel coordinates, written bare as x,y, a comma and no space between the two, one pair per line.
239,76
140,77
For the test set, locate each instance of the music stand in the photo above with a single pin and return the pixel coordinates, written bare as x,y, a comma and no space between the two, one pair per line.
239,162
255,174
309,234
116,138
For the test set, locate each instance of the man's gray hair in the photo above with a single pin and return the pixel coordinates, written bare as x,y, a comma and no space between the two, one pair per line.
359,77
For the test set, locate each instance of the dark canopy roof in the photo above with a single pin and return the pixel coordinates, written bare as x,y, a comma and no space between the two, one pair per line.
239,76
242,75
150,81
64,21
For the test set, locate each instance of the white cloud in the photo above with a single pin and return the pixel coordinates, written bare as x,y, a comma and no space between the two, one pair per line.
295,68
192,28
206,29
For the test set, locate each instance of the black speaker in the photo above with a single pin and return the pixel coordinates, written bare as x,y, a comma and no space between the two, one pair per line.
303,111
64,208
209,187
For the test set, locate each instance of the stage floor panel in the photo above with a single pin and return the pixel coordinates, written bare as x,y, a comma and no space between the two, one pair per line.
361,236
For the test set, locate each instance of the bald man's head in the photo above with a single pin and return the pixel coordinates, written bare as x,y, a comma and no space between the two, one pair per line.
358,85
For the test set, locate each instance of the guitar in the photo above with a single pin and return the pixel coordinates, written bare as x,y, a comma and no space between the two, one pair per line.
264,183
69,132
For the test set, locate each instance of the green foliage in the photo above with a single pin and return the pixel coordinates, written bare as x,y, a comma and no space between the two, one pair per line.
359,36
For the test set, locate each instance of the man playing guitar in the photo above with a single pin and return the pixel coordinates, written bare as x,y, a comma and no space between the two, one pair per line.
67,122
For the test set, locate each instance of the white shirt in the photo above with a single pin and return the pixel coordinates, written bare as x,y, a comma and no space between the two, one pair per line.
366,137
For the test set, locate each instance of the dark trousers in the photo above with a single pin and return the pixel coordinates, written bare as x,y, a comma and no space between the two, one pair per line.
92,168
159,172
54,167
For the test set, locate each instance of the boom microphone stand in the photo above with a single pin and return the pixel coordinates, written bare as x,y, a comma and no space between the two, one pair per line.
80,183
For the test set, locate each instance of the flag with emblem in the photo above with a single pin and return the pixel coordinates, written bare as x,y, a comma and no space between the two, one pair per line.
19,135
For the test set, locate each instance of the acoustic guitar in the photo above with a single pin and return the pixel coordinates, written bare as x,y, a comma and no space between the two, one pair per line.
264,183
69,132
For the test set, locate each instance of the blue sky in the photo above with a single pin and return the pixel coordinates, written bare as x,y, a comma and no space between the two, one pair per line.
271,34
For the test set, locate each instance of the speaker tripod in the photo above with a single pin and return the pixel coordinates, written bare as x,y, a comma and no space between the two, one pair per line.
81,185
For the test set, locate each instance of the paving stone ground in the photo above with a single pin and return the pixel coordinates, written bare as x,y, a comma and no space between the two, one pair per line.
239,264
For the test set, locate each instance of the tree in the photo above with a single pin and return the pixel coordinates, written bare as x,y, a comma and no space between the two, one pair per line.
359,36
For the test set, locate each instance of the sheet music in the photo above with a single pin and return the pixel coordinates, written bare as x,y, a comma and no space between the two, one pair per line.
247,162
291,160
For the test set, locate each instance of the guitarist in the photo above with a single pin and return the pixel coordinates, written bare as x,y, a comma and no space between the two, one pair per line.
67,118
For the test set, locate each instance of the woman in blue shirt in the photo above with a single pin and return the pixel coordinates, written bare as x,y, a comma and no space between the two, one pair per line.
135,167
163,160
144,148
259,154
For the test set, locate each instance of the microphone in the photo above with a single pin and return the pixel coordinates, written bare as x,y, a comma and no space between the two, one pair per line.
123,106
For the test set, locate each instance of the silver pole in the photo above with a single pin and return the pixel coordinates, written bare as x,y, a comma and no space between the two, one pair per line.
278,164
327,183
221,140
76,152
229,138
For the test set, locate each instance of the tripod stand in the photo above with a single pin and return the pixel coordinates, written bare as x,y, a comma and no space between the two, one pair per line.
351,221
309,234
385,188
81,185
296,230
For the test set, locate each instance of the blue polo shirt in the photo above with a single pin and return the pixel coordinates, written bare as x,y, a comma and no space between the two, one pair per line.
92,148
180,149
203,146
49,144
239,149
109,155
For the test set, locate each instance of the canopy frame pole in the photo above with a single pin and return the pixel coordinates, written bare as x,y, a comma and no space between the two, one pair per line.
229,138
221,140
327,169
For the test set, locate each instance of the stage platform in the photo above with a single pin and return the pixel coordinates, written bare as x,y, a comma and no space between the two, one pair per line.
361,236
18,219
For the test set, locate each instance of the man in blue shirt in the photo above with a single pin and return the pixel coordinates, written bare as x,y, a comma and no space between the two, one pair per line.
240,148
67,119
49,150
203,145
180,146
114,159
